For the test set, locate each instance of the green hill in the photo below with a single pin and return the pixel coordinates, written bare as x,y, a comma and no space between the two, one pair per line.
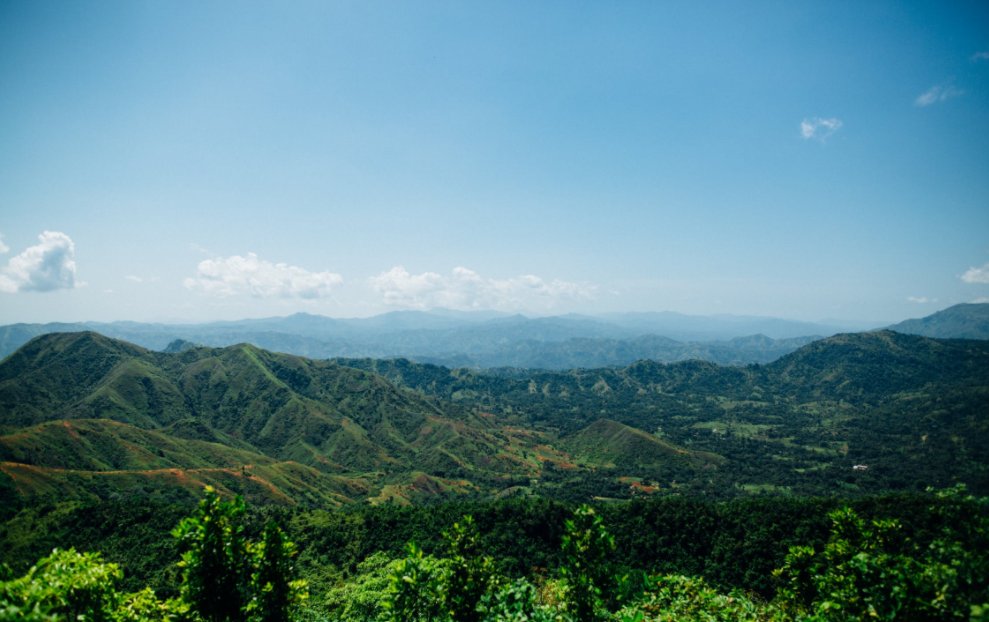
964,321
909,408
79,402
608,443
82,415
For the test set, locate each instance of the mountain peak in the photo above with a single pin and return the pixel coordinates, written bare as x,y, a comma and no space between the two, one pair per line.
962,321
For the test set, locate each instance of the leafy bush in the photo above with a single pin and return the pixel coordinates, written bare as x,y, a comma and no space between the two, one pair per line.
675,598
363,599
64,585
417,588
871,570
516,601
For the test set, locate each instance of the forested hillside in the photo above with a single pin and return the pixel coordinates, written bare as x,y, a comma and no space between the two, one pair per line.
84,416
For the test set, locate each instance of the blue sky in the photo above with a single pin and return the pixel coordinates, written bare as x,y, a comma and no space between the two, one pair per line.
181,161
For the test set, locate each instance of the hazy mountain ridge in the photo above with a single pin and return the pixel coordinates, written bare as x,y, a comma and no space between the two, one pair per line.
964,321
475,339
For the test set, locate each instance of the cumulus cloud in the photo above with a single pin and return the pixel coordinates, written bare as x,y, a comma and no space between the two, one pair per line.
977,275
937,94
818,128
464,289
230,276
44,267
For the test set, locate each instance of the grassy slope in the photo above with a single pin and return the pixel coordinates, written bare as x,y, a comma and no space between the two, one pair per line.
609,443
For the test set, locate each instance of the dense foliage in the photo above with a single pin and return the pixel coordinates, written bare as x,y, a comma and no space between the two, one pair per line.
901,557
224,578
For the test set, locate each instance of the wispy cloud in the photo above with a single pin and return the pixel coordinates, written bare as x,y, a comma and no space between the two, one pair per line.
979,57
3,247
977,275
818,128
44,267
921,300
938,94
465,289
134,278
237,275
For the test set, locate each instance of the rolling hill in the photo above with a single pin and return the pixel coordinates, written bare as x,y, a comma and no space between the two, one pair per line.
910,408
83,402
83,416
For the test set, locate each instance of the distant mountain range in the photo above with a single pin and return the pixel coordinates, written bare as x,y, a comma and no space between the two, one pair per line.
965,321
84,416
482,340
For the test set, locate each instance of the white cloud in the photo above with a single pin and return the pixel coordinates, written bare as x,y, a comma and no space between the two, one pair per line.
937,94
46,266
464,289
980,56
818,128
134,278
3,247
977,275
230,276
921,300
981,300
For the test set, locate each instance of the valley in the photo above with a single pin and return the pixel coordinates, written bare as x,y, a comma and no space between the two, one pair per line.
85,416
725,474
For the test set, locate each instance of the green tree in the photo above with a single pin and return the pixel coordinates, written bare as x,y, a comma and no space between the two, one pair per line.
587,548
225,577
215,566
469,574
273,592
417,586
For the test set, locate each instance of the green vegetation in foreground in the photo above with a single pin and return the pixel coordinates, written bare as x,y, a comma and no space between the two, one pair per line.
877,568
224,577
